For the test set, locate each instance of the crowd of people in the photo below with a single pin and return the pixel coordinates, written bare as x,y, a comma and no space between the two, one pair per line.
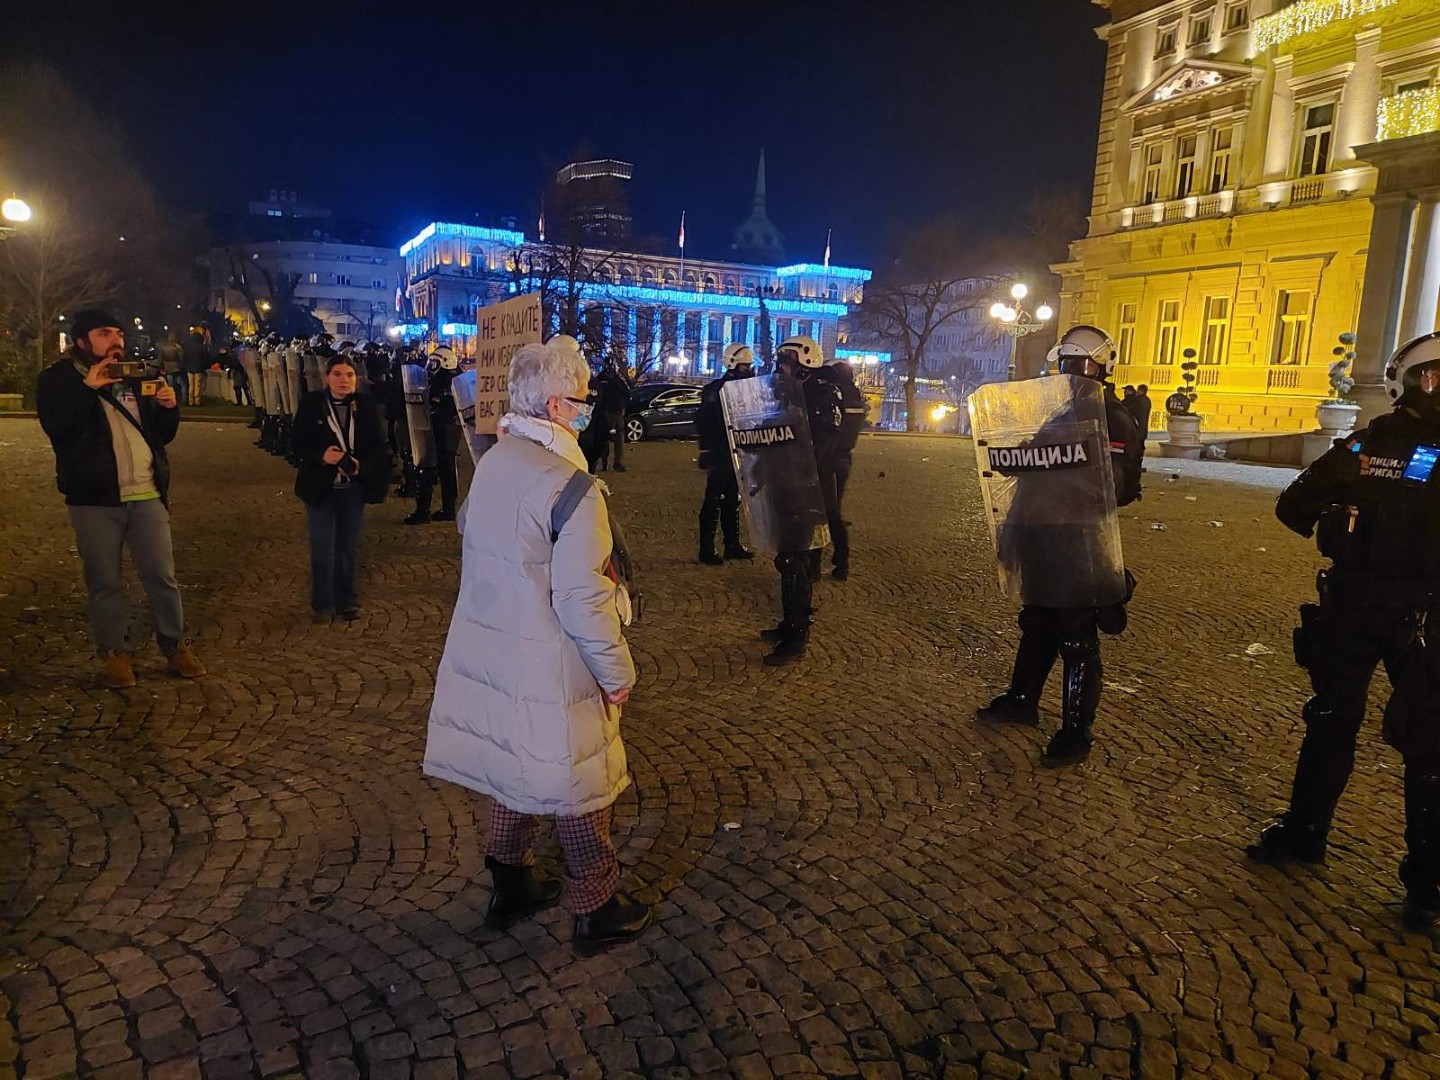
536,667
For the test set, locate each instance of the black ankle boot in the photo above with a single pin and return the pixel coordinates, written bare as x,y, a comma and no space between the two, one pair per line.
710,557
1082,695
619,920
1289,840
518,894
739,553
1010,708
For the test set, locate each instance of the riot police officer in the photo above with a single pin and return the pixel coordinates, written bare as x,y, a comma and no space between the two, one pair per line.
442,366
721,506
854,412
1072,634
1373,503
799,358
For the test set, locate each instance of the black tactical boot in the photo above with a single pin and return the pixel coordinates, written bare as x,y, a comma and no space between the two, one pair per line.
1082,695
790,650
1420,869
794,629
1289,840
619,920
1010,708
518,894
419,517
1021,703
730,526
709,520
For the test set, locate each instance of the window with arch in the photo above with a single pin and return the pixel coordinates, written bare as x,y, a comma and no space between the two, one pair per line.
647,276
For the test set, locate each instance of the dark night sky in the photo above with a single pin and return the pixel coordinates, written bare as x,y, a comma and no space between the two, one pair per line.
875,116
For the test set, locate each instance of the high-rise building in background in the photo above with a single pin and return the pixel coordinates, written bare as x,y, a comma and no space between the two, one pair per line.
1266,178
593,198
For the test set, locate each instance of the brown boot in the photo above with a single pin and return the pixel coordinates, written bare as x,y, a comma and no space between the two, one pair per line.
185,663
116,673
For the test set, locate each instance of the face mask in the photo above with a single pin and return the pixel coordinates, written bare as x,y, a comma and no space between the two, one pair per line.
580,423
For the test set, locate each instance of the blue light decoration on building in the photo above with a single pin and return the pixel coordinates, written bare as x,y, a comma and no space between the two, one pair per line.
862,355
459,329
409,331
451,231
839,273
649,294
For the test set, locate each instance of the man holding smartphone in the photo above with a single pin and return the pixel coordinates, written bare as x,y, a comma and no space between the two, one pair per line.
109,429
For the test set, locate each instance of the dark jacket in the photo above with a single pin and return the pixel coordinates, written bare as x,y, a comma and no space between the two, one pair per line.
824,407
313,436
1139,407
1395,495
710,424
73,415
1127,449
195,357
612,396
855,412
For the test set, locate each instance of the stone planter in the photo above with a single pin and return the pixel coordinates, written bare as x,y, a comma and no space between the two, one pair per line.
1184,440
1337,419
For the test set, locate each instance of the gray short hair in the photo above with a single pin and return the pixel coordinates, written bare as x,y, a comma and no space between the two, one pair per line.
540,372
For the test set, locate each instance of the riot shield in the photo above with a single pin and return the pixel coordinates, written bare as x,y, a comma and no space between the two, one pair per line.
462,389
1043,452
294,382
250,361
416,384
314,372
769,435
274,376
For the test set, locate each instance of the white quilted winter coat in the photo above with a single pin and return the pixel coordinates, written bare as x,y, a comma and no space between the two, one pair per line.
518,712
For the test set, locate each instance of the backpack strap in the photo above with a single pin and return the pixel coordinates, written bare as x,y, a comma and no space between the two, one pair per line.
574,490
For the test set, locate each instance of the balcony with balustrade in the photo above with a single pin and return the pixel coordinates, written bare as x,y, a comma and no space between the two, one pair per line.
1281,380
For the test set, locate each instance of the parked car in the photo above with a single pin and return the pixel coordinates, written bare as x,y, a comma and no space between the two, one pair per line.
661,411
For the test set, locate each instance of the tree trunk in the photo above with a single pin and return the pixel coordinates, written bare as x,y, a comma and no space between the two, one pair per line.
911,423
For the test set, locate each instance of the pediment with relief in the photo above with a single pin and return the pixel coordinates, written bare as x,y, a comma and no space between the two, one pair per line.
1189,78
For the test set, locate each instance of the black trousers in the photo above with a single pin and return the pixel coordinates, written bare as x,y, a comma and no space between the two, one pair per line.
449,484
721,507
1341,642
795,593
1073,636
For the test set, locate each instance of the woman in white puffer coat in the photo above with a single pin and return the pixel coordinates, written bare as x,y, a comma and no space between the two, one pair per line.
536,667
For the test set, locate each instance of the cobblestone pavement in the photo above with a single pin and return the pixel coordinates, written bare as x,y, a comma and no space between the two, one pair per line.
248,876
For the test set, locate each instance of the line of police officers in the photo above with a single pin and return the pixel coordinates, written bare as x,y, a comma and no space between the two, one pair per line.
414,389
782,444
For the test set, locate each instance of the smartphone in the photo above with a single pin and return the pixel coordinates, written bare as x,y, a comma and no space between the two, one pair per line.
127,369
1422,463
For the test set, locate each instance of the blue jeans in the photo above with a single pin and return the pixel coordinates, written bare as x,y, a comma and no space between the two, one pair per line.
101,535
334,544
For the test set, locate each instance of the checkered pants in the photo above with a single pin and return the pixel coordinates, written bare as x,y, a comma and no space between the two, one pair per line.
591,869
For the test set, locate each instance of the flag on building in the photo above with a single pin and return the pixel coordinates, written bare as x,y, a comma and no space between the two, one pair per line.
682,230
542,221
827,249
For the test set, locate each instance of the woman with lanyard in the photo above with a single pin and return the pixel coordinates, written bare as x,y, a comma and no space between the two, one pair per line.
344,463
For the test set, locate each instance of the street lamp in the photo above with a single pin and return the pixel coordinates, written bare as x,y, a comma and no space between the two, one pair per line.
15,211
1015,321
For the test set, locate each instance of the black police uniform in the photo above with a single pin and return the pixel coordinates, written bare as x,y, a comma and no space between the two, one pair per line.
852,420
799,568
1375,507
1072,634
445,423
721,506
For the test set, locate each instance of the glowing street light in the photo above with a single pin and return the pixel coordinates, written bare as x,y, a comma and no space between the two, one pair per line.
1015,321
15,209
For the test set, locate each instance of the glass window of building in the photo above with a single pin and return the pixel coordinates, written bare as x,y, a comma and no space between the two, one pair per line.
314,278
1166,38
1125,339
1319,132
1221,148
1167,332
1217,330
1185,148
1200,25
1292,334
1154,173
1237,16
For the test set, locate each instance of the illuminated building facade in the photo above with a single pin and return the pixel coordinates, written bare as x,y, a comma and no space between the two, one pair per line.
655,313
350,288
1254,158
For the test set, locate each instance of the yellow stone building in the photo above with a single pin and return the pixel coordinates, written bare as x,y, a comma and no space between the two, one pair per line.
1236,188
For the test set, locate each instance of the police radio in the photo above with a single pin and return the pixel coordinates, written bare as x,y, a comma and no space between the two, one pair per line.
1335,532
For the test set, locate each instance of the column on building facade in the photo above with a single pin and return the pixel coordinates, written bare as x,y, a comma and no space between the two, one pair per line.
703,352
1385,264
680,333
656,340
725,331
1361,97
1422,281
609,331
1282,121
632,345
751,327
